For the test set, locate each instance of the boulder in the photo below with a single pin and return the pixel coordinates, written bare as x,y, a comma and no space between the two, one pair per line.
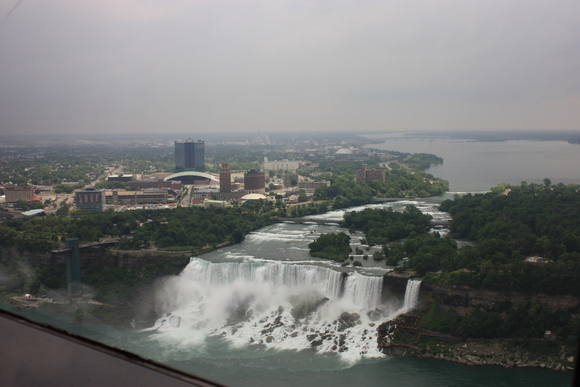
304,304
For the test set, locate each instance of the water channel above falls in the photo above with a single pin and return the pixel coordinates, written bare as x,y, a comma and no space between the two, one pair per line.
288,242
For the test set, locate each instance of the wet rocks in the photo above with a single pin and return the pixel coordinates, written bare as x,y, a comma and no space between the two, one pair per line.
348,320
375,314
241,312
303,305
269,328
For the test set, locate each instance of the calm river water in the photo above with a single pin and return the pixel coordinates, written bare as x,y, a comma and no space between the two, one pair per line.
471,166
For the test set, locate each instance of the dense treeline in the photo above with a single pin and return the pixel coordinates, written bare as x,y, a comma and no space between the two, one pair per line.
334,246
507,225
527,320
421,161
403,234
191,227
385,225
510,224
399,183
345,192
426,252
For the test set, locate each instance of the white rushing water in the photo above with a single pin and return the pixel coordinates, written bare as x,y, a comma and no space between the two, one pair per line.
276,304
411,296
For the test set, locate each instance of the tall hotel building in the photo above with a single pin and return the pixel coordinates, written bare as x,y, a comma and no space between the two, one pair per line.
189,156
225,178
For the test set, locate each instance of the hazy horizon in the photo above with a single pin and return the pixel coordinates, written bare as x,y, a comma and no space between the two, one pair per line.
138,67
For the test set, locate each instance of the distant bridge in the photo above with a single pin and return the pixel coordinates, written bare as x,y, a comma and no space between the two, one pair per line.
104,242
426,200
322,222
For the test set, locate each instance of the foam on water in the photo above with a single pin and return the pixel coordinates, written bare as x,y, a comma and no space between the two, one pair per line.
278,305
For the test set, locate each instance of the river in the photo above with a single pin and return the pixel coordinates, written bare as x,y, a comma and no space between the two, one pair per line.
472,166
232,317
238,315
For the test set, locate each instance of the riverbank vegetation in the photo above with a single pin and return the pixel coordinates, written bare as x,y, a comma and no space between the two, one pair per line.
527,240
195,227
401,234
400,183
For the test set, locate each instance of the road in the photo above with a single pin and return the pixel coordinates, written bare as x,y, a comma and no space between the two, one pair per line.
70,198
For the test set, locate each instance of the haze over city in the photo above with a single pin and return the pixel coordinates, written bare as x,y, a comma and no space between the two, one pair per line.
144,67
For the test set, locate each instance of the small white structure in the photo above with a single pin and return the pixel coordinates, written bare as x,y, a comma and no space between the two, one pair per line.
38,212
344,151
253,196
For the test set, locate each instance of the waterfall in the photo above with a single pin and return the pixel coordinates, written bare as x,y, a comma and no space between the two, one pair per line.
276,304
411,296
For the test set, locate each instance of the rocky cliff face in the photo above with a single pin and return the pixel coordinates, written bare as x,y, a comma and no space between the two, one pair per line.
491,300
110,258
465,297
394,286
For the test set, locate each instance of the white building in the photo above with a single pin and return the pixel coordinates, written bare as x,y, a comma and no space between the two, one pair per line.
282,165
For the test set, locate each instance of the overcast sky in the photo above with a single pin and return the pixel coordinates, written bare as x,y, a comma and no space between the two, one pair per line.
146,66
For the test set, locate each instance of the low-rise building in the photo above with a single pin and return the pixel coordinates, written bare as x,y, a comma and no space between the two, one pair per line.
120,177
280,165
310,186
215,203
147,196
156,183
16,193
365,175
90,200
290,180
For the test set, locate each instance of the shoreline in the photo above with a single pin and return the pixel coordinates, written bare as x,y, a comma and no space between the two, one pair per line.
401,338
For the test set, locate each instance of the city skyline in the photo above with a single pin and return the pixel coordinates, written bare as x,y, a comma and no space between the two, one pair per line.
108,67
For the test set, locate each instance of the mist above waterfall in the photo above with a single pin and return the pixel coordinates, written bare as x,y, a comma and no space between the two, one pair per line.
268,294
279,305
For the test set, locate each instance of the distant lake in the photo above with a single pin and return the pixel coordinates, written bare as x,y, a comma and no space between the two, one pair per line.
478,166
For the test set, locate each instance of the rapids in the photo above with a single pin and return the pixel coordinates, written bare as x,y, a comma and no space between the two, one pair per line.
276,304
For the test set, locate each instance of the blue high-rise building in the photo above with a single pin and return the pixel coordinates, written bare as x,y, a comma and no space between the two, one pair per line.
189,155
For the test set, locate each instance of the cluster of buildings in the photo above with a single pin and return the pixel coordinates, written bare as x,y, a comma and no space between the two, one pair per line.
166,188
97,200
